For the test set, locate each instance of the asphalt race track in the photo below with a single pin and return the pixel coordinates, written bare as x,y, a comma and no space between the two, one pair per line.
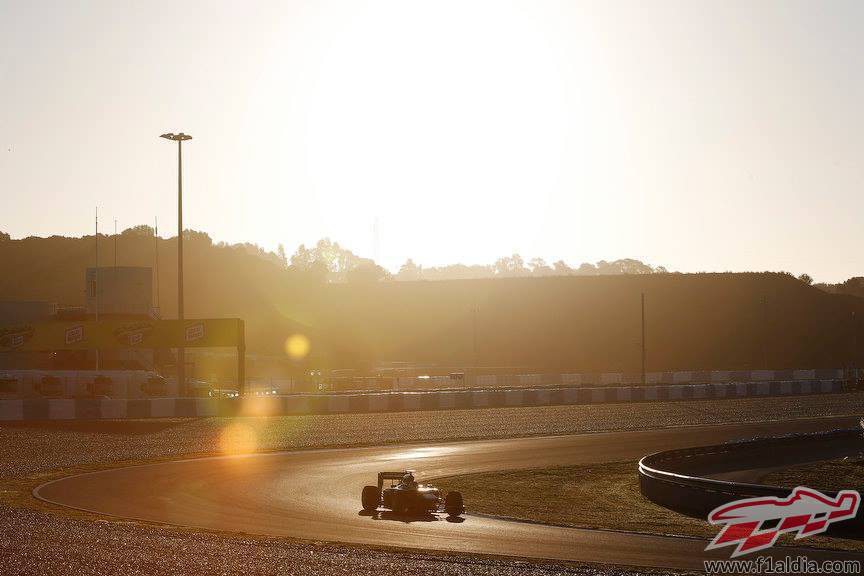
315,494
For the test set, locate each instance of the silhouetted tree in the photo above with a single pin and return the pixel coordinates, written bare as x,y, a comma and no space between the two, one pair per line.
510,266
4,237
852,287
317,272
302,259
562,269
513,266
142,230
540,268
631,266
338,261
409,271
190,235
806,279
366,273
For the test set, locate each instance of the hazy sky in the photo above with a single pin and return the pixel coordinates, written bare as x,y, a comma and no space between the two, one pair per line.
696,135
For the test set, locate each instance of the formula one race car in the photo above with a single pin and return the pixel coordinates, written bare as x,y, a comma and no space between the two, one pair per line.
406,496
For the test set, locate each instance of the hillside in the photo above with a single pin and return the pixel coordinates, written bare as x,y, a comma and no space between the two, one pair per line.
587,323
220,280
698,321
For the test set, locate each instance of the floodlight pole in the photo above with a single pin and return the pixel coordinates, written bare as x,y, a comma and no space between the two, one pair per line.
181,352
156,258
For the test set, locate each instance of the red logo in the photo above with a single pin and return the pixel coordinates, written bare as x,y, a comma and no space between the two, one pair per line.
194,332
74,335
754,524
15,337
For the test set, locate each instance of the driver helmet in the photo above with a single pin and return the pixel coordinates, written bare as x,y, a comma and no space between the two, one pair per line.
408,479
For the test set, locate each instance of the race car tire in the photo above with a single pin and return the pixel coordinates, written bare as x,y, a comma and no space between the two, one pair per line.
370,497
453,504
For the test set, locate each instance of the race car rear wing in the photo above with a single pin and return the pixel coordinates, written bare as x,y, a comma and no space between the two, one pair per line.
382,476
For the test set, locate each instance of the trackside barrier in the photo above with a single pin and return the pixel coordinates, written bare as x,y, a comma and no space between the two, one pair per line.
37,384
664,480
363,402
135,384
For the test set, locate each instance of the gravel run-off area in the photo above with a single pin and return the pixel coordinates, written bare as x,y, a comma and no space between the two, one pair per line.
36,538
831,475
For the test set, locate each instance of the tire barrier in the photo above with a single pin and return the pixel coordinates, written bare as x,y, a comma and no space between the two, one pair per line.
293,404
671,478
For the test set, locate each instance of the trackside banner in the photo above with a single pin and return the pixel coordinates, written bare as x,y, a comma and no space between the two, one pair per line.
111,333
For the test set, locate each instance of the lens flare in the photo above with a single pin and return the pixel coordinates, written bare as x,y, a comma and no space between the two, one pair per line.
297,346
237,438
261,406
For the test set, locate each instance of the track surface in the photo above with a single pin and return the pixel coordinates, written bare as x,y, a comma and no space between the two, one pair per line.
316,494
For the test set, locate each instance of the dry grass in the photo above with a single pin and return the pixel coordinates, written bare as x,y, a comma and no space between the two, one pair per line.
589,496
604,496
832,475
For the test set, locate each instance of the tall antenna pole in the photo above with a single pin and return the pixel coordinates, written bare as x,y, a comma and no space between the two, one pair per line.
156,258
96,279
643,339
96,286
115,244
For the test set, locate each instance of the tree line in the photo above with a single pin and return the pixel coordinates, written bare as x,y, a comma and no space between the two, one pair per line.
333,263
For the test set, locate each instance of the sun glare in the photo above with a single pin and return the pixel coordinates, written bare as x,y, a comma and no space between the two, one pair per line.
238,438
297,346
